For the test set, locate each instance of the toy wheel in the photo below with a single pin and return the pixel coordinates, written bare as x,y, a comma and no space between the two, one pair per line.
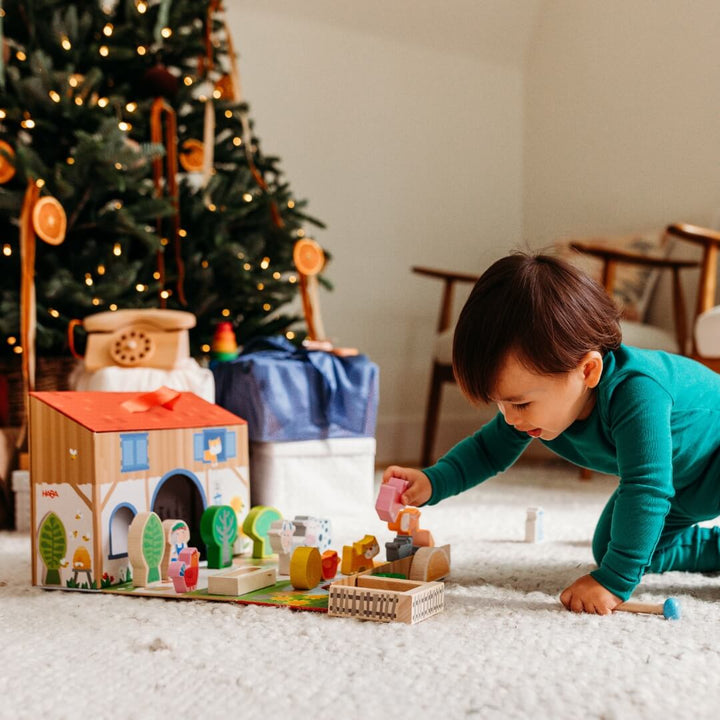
131,347
308,257
49,220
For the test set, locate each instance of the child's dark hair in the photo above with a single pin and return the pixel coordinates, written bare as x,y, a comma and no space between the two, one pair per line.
542,309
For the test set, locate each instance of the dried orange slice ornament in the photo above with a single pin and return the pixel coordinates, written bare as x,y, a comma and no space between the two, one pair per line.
192,155
7,167
308,257
49,220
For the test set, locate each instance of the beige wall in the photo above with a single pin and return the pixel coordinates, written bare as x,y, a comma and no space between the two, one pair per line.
621,127
448,139
410,154
622,111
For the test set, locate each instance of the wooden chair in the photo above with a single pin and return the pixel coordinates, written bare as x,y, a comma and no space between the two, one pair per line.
639,334
442,371
706,320
701,344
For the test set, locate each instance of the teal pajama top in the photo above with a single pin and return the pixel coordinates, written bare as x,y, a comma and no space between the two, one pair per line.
656,425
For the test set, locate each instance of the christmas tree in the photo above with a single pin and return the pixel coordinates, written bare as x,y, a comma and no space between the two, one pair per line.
123,130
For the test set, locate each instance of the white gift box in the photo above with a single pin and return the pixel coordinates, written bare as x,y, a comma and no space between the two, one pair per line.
186,376
313,477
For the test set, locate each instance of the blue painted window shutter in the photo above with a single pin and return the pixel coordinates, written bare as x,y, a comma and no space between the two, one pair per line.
134,452
231,444
198,446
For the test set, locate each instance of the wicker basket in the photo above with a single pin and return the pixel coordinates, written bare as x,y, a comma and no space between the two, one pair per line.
52,373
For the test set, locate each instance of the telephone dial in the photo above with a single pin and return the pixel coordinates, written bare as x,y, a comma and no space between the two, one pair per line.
137,338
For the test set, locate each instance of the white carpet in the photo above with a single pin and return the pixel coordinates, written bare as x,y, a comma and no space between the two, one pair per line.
503,648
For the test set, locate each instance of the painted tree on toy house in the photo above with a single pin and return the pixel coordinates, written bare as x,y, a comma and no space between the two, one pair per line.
126,148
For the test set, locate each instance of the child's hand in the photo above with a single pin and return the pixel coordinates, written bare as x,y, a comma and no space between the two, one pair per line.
586,594
419,488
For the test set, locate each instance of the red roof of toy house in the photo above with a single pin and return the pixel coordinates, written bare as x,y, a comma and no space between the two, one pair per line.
104,411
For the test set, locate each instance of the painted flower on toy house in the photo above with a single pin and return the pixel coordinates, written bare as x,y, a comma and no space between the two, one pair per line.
130,176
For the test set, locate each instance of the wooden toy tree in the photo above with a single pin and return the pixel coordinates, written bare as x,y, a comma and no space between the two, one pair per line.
146,547
219,530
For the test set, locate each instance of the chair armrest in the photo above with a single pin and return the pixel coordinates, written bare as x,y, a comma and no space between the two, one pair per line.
693,233
710,241
449,279
626,256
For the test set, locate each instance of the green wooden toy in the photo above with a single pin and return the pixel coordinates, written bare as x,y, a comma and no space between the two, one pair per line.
219,530
257,525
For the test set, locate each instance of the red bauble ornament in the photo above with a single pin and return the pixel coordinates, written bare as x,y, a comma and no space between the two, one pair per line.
158,80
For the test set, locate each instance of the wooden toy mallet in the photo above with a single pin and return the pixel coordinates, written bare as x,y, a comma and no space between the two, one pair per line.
670,609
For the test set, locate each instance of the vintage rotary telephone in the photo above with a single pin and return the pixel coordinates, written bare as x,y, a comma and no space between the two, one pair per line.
137,338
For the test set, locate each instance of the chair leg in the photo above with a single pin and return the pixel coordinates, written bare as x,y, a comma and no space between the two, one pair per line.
432,416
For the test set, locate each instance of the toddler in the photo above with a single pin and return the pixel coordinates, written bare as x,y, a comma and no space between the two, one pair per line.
541,340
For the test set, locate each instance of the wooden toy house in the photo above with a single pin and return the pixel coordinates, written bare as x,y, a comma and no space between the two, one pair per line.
99,458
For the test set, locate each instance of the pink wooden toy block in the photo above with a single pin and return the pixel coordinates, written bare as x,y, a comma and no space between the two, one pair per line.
388,503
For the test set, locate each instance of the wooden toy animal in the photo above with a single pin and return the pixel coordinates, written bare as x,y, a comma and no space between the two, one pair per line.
330,561
313,532
281,535
359,556
185,570
408,523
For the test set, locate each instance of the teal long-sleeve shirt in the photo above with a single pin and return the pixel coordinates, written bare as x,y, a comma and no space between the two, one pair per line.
655,424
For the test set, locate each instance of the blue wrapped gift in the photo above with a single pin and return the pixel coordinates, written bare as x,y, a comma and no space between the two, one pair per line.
288,394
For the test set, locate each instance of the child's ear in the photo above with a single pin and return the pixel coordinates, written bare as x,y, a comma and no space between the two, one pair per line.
592,367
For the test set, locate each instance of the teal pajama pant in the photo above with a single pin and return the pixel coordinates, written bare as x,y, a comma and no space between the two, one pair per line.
683,545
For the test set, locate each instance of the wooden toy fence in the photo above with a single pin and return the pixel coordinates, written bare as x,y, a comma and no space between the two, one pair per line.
384,599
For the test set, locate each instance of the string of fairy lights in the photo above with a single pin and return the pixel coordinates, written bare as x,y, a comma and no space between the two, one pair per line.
77,93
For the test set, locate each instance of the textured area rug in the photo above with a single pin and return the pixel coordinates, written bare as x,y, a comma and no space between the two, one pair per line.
503,648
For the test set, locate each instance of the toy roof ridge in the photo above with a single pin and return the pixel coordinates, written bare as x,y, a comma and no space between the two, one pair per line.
103,411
